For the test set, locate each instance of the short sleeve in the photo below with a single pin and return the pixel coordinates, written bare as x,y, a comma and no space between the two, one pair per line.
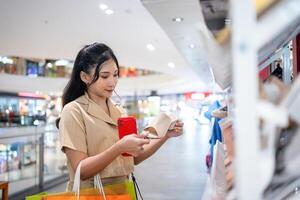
72,132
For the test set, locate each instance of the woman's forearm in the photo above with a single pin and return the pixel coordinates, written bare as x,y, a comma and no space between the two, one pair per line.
92,165
150,149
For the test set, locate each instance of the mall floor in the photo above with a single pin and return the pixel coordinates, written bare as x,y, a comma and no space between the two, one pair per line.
177,171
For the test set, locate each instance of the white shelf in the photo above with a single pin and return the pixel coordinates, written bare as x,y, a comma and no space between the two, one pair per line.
280,23
245,84
267,34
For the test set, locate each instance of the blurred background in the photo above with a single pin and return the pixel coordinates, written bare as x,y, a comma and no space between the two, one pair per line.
189,58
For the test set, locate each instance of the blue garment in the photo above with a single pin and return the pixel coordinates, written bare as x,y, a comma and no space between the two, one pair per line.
216,130
216,135
215,105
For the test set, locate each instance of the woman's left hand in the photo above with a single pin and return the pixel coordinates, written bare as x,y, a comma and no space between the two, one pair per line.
177,131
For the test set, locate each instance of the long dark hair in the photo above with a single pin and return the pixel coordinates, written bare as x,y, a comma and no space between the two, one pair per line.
89,57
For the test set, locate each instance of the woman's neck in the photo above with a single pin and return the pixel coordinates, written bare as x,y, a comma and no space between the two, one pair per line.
101,101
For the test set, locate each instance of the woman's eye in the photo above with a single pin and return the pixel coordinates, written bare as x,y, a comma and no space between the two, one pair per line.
115,75
104,77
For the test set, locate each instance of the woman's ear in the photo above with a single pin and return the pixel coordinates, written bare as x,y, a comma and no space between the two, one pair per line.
85,77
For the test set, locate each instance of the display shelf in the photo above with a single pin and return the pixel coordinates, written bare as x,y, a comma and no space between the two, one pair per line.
245,90
263,40
279,24
261,6
265,35
281,21
255,37
273,29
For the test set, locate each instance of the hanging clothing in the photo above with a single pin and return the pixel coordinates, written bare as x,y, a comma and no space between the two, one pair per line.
216,134
215,105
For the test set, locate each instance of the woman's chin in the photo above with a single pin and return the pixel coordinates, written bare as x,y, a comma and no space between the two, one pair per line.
108,94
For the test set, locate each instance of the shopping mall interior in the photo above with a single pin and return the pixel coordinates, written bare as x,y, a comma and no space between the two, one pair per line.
228,69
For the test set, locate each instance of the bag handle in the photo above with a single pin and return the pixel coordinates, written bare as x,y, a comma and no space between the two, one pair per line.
97,183
136,187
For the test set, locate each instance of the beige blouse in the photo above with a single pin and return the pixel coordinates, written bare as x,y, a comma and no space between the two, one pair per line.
85,127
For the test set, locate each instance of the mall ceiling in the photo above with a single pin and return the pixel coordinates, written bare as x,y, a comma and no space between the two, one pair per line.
57,29
185,33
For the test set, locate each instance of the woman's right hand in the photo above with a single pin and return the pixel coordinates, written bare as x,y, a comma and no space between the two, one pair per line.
133,144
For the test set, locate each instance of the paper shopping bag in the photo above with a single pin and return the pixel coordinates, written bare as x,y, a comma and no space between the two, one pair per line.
96,193
86,194
36,196
126,187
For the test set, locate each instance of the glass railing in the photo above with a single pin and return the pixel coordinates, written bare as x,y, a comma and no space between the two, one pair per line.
54,159
30,157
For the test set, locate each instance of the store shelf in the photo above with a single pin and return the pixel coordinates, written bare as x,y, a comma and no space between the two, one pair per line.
262,36
261,6
252,40
277,27
278,20
281,21
258,35
277,24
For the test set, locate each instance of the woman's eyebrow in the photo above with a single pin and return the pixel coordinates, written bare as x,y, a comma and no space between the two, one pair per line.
107,72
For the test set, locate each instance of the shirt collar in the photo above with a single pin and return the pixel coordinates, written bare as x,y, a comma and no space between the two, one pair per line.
96,111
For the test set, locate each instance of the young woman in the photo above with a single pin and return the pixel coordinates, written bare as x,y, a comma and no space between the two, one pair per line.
88,125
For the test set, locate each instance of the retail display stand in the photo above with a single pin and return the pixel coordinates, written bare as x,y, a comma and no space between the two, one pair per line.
249,35
258,33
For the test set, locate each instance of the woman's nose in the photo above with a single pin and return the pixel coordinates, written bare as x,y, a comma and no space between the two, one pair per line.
111,82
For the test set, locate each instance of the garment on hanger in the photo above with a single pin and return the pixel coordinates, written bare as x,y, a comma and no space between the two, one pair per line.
216,134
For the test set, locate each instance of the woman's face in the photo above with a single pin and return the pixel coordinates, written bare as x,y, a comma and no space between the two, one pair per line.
107,81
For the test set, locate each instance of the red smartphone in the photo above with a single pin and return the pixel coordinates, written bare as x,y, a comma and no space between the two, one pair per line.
126,126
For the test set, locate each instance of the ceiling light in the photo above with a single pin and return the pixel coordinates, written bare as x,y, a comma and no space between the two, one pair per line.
109,11
103,6
171,64
177,19
150,47
192,46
